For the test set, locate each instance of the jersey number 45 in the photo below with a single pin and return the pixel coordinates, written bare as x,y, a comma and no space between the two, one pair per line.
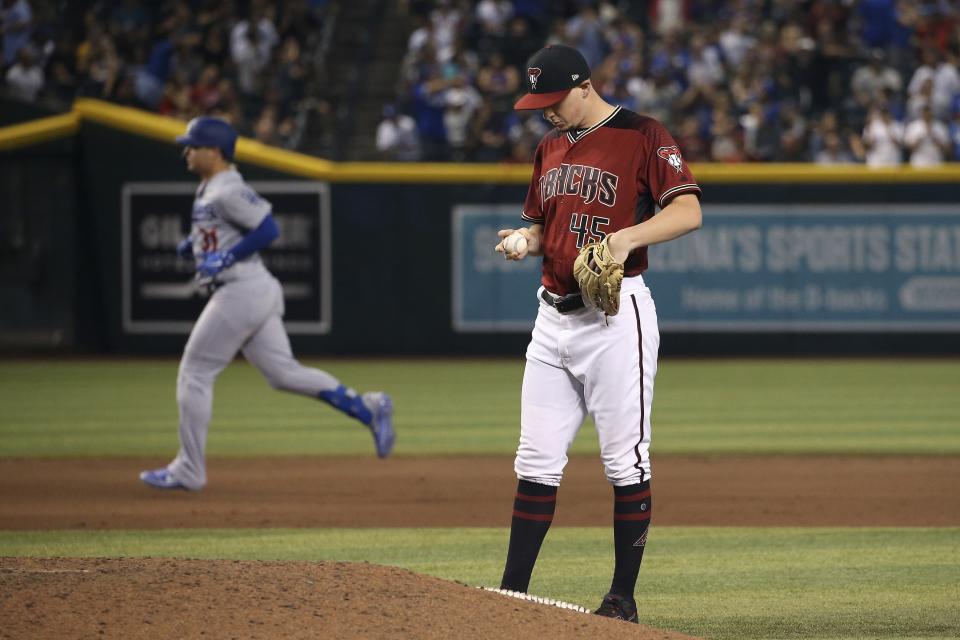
585,225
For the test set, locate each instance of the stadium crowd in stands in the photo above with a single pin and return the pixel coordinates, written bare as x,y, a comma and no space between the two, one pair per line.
259,64
825,81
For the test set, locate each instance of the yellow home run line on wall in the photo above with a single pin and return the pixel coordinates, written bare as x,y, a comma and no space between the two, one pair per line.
38,131
151,125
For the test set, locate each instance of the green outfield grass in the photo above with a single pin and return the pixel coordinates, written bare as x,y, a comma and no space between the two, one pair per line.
716,583
119,407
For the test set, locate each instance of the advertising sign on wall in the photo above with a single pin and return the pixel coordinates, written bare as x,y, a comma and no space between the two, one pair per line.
159,293
806,267
888,267
490,294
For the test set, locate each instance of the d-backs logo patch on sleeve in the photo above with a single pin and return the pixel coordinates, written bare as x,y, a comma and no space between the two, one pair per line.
672,156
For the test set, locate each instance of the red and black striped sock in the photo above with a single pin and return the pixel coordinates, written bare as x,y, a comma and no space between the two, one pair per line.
631,519
532,514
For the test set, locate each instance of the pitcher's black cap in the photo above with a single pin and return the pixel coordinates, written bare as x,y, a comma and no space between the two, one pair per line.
551,73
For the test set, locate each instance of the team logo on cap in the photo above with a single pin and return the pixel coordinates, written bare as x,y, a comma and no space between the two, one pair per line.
533,73
672,156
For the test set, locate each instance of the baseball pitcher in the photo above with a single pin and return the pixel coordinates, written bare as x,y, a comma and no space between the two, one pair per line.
598,179
231,223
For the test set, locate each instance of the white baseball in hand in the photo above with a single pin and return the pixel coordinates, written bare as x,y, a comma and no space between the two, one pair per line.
514,243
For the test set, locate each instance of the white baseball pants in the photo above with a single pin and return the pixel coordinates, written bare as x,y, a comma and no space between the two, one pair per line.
580,364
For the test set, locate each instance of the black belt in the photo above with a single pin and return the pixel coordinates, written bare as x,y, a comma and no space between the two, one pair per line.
563,304
210,287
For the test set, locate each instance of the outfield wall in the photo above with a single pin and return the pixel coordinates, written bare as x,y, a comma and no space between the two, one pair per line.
397,259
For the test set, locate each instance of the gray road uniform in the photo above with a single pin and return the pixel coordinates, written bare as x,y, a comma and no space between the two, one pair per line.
244,313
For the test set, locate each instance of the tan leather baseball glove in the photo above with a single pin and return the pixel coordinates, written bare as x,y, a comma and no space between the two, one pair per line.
600,277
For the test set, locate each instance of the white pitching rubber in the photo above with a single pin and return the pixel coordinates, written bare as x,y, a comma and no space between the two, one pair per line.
538,599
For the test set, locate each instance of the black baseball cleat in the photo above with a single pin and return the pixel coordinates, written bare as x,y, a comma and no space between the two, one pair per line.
618,607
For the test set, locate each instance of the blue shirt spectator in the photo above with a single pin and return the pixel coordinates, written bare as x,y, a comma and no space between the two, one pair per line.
955,135
428,108
881,28
586,32
16,20
149,80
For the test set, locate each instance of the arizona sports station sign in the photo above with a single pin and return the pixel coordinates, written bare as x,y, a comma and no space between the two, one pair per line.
861,268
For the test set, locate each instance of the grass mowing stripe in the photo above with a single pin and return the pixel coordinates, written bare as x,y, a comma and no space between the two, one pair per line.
115,407
718,583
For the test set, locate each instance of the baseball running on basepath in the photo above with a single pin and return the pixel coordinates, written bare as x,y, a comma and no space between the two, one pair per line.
598,178
231,224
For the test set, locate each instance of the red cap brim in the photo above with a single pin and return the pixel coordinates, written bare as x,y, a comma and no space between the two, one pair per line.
540,100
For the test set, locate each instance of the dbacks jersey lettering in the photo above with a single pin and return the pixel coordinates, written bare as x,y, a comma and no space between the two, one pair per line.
584,187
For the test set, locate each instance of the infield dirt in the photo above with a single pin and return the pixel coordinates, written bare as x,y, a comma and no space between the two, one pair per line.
162,598
88,493
176,598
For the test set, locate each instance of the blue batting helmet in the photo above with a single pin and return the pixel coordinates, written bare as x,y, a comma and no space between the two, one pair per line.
207,131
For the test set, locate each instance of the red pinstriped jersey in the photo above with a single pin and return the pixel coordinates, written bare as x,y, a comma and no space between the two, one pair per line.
595,181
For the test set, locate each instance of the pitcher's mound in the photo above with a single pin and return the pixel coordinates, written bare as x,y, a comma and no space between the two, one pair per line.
173,598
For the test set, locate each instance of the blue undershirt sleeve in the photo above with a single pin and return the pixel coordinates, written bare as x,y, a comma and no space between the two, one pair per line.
258,239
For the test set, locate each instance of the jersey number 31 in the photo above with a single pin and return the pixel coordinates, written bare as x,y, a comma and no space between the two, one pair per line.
209,241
